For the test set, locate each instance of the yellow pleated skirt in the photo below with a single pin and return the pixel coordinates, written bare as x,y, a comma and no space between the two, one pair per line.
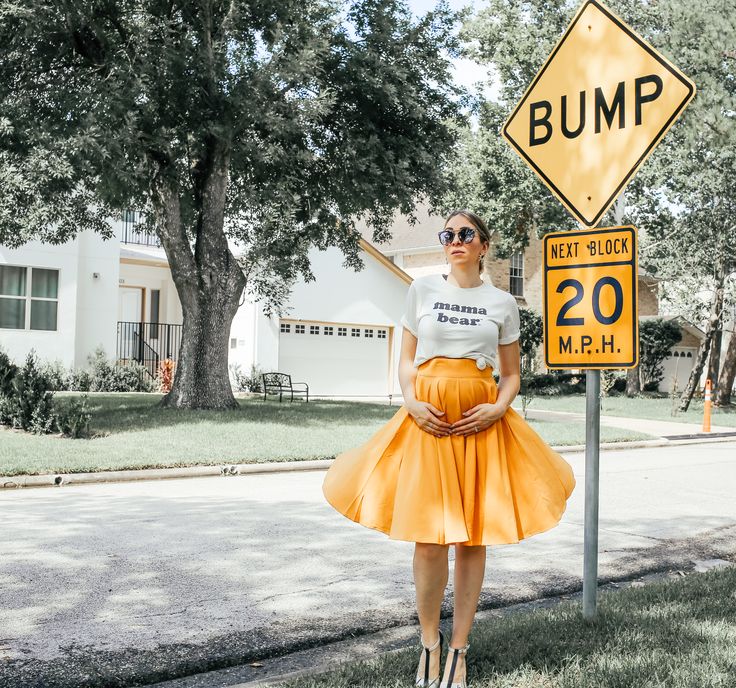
497,486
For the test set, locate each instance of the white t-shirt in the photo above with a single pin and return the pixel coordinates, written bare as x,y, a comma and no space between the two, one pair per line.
459,322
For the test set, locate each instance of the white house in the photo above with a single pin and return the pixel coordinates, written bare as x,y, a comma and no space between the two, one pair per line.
340,336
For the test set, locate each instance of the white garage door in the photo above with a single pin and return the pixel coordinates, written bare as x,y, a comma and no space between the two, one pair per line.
677,365
342,359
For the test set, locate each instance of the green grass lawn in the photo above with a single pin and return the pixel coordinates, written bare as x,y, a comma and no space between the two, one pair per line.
656,408
133,433
669,634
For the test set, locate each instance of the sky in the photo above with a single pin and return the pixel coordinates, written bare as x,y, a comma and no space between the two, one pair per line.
467,72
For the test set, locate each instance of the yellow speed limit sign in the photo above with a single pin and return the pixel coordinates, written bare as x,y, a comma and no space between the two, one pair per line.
590,299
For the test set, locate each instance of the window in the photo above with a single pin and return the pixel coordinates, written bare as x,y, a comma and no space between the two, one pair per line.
381,334
369,333
21,310
285,327
342,331
516,274
299,329
233,342
355,331
314,329
327,329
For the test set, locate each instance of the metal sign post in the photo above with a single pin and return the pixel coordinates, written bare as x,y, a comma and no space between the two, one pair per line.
592,462
592,471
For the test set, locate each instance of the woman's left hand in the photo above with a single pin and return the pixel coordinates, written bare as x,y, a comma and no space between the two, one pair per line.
481,416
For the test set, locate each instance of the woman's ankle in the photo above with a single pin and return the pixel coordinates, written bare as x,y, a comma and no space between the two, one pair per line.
428,640
459,644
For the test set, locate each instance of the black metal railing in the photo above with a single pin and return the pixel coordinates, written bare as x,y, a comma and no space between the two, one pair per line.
135,233
147,343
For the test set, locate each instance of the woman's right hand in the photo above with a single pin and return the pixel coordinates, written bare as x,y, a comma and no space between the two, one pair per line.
426,416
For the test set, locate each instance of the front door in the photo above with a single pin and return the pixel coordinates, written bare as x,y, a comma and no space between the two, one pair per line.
130,314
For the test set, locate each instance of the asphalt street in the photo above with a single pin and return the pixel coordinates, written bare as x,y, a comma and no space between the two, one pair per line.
132,583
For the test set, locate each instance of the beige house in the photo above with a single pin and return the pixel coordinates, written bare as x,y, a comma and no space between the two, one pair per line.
417,251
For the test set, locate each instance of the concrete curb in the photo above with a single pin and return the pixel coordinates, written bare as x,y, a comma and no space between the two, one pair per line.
227,470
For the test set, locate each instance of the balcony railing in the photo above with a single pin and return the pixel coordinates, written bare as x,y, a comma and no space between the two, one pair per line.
134,233
147,343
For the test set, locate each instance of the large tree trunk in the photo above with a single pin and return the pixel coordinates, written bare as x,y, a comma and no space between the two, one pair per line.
714,362
728,374
209,283
202,379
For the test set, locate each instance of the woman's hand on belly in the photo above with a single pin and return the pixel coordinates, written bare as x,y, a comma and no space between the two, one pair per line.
481,416
426,416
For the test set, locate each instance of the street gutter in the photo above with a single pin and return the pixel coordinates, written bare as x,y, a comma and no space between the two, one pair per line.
229,470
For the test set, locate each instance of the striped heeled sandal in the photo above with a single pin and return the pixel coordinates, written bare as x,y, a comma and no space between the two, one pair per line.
423,681
452,656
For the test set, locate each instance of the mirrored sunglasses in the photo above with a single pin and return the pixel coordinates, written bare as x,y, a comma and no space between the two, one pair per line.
447,236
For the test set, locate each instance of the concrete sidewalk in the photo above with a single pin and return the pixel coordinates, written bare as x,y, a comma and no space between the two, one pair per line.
660,428
135,583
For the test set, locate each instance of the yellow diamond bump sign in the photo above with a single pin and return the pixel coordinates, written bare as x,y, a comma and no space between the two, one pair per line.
595,111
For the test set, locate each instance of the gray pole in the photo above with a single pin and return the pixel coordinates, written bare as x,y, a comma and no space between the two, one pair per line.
592,449
592,472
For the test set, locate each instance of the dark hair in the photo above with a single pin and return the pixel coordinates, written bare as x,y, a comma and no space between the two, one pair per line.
480,225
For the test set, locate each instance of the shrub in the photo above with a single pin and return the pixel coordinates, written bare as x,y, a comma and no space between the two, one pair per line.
619,384
72,417
5,410
243,382
29,405
8,370
165,375
79,380
26,399
56,375
105,376
558,382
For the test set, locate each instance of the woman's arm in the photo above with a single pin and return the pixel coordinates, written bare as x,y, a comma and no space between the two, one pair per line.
425,415
407,371
509,374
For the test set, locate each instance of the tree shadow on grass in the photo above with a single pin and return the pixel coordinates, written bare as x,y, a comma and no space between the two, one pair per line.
120,412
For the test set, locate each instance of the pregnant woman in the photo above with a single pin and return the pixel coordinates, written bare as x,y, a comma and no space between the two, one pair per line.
456,465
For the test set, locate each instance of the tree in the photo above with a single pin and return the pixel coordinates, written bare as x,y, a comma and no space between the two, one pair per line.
530,326
728,374
513,38
271,124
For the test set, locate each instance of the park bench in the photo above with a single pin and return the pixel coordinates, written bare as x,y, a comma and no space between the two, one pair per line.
280,383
